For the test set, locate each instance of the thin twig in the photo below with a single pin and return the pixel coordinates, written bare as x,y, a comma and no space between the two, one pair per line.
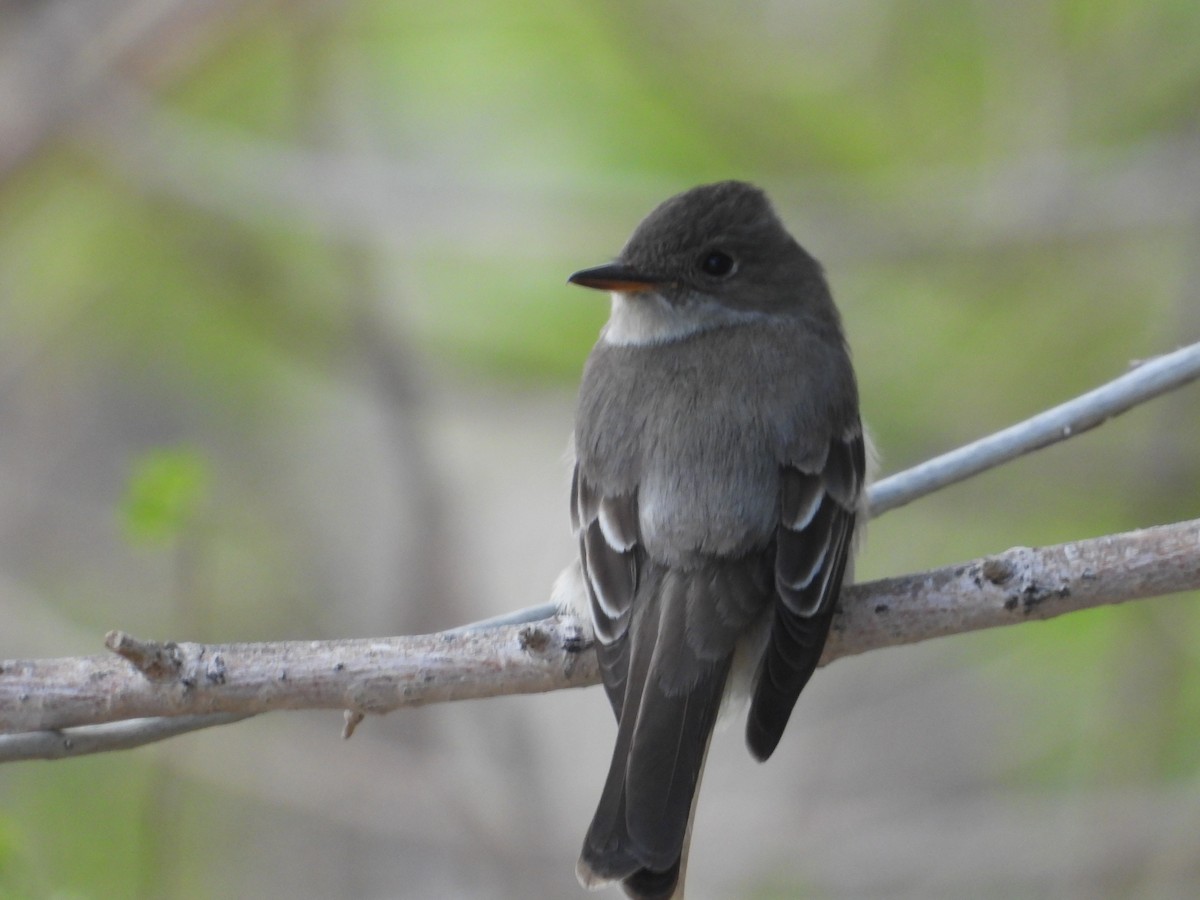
1148,380
517,617
155,660
86,739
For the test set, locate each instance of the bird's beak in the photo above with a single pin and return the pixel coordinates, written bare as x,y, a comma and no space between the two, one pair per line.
615,277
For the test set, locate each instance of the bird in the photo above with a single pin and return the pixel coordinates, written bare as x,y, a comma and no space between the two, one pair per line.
720,466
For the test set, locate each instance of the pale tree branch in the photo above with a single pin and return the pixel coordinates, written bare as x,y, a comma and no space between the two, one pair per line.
380,675
54,708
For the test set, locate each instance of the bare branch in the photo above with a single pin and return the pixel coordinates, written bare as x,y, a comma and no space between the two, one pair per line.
1015,586
1148,380
87,739
381,675
370,675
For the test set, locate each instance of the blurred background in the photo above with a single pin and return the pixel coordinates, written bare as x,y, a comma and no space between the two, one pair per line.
286,352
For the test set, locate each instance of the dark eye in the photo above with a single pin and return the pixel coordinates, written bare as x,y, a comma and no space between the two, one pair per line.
716,263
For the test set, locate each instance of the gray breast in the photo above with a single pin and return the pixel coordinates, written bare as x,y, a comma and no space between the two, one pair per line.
699,429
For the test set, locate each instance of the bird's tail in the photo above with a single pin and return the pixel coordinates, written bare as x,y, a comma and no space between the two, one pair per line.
640,832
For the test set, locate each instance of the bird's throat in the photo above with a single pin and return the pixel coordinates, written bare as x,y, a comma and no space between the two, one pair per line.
646,318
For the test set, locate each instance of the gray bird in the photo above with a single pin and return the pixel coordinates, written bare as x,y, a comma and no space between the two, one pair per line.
719,471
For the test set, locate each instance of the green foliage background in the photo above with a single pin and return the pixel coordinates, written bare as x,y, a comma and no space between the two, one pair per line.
244,212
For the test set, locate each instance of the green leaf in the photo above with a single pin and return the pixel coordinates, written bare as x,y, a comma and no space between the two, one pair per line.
166,491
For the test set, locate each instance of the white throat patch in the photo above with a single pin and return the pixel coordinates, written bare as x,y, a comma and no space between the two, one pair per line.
648,318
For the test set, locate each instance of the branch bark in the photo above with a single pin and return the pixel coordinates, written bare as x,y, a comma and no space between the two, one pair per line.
382,675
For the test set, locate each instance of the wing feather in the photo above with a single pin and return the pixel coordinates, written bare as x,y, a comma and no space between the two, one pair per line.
812,546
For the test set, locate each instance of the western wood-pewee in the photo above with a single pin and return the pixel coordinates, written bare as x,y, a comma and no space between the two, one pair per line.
719,470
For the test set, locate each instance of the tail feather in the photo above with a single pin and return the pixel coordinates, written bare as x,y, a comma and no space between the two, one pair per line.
642,824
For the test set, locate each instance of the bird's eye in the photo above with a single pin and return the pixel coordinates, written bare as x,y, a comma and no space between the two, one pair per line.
717,264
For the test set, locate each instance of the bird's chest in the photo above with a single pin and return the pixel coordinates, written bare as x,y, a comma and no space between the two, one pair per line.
686,431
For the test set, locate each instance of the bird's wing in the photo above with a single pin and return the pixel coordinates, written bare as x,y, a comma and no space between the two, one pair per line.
818,503
609,550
